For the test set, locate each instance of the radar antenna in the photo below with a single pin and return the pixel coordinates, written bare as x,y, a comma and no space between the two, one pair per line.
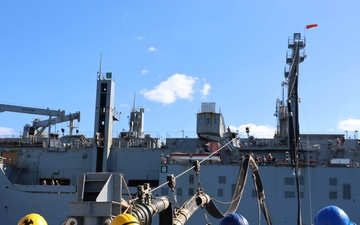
100,69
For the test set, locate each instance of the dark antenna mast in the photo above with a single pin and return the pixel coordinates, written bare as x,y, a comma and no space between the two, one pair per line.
100,70
134,102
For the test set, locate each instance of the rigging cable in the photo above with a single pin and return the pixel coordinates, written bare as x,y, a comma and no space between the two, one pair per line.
257,195
309,180
192,167
248,161
200,198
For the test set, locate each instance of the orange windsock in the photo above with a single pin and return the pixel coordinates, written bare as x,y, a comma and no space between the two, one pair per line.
311,25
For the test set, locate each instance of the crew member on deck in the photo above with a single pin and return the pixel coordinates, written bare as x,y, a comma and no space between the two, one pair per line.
263,160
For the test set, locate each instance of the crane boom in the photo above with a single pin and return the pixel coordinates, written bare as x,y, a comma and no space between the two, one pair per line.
30,110
43,124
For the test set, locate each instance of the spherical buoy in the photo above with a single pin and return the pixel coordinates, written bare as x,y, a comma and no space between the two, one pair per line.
234,219
125,219
332,215
32,219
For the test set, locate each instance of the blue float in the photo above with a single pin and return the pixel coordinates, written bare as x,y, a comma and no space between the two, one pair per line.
234,219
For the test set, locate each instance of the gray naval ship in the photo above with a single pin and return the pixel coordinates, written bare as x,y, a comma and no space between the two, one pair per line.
70,179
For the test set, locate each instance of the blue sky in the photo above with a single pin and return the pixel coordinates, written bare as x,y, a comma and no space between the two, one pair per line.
176,54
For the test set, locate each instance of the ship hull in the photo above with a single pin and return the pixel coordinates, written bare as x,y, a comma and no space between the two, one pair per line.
319,187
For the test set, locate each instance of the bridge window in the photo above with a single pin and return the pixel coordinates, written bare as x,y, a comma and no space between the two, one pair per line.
332,195
346,191
220,192
289,194
289,181
222,180
191,178
332,181
191,191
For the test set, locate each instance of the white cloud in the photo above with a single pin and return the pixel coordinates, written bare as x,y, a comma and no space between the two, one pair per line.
139,37
5,131
152,49
176,86
205,90
144,72
258,131
349,124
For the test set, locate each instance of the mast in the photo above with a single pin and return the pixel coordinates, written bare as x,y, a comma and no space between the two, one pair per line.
134,108
136,123
294,57
100,69
104,119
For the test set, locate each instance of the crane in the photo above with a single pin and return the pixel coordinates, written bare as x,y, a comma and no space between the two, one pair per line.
30,110
40,126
